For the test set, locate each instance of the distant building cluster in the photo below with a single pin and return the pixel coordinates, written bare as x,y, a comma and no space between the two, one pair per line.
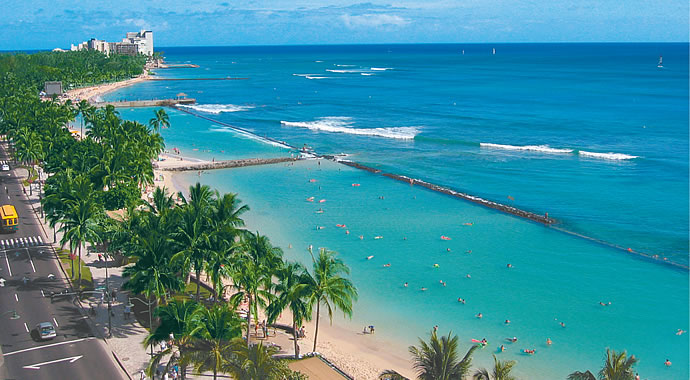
135,43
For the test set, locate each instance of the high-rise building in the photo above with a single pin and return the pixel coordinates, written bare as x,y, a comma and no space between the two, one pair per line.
134,43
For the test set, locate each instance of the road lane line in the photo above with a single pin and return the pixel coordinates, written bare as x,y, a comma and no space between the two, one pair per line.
31,260
47,345
8,264
56,324
26,327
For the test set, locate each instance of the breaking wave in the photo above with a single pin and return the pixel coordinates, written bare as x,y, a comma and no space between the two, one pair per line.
607,156
216,108
219,128
345,125
548,149
381,68
534,148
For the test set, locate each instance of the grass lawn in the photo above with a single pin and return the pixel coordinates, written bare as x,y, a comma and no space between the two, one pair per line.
86,279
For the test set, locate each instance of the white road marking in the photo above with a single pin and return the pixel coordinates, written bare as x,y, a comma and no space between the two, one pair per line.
31,261
43,294
71,359
26,327
8,264
56,324
15,297
47,345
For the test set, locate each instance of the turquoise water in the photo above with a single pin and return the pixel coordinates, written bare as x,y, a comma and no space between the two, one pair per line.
593,98
425,111
554,276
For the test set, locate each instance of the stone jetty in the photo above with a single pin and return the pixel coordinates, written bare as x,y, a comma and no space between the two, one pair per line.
206,165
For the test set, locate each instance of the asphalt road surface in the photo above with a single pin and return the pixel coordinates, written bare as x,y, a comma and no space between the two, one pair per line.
29,274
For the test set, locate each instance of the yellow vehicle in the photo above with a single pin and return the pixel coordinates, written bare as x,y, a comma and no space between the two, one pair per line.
9,217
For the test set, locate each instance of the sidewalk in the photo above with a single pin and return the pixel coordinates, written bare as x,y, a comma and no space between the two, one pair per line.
127,334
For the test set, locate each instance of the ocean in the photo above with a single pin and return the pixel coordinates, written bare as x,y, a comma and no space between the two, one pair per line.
594,134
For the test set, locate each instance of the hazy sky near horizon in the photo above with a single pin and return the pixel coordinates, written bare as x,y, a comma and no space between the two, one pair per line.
46,24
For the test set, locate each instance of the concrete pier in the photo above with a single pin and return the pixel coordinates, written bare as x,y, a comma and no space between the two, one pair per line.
146,103
225,164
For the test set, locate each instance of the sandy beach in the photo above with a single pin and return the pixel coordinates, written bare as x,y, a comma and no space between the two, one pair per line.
93,92
362,356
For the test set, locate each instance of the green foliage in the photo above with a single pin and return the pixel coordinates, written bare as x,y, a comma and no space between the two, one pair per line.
438,358
617,366
73,68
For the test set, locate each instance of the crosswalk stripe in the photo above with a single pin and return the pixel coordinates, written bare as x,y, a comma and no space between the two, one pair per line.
21,242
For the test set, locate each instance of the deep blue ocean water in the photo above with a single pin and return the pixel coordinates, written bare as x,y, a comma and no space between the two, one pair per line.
600,98
607,132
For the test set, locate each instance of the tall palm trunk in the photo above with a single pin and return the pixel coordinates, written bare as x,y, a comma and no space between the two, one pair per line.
79,270
198,284
294,337
316,331
249,316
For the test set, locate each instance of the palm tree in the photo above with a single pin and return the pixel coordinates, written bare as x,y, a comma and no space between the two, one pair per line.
213,345
617,366
501,371
160,120
255,361
438,359
80,225
330,287
292,292
253,272
179,319
390,374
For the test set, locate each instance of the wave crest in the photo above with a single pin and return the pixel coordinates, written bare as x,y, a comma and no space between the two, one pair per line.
216,108
534,148
607,156
345,125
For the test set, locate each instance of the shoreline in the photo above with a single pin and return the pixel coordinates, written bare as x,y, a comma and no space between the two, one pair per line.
90,93
358,355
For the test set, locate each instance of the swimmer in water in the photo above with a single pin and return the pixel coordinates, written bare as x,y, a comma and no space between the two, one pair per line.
347,232
404,237
548,341
405,284
289,245
502,348
468,276
361,237
436,265
509,265
468,251
507,322
479,315
447,249
386,265
680,332
512,340
667,363
461,300
562,324
370,257
424,289
444,283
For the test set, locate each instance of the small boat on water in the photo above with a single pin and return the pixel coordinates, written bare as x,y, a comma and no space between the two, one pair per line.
493,51
661,62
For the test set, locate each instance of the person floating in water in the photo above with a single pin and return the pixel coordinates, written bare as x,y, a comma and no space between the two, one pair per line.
548,341
502,348
667,363
509,265
562,324
405,284
512,340
507,322
461,300
680,332
479,315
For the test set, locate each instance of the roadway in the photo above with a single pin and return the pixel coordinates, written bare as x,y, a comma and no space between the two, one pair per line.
29,273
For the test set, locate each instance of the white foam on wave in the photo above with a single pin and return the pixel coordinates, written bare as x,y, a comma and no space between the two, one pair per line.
607,156
222,128
216,108
345,65
345,125
381,68
367,74
344,71
315,77
533,148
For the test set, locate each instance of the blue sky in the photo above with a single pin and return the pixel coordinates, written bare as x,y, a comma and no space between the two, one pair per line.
45,24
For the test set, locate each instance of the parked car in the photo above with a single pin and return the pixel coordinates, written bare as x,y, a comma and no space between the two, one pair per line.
46,330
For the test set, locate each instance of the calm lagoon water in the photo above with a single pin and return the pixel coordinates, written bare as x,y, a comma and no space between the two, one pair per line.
576,99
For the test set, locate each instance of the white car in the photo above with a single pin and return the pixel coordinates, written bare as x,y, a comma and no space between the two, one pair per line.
5,167
46,330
